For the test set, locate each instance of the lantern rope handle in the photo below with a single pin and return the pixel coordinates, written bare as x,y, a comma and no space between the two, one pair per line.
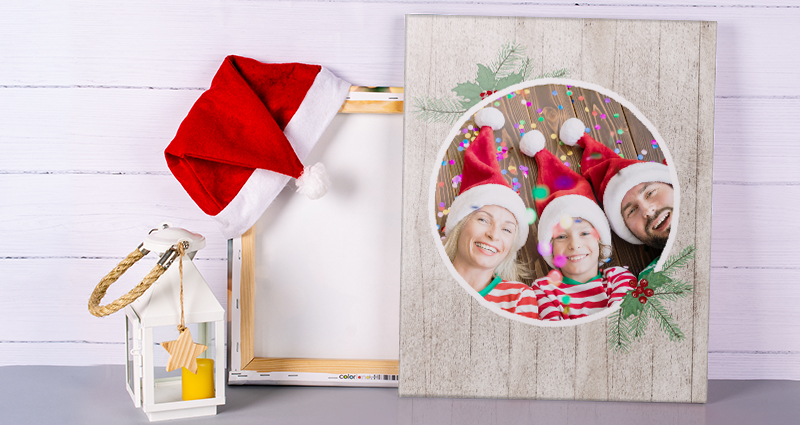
100,290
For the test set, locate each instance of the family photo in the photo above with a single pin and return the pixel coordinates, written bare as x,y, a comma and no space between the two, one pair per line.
552,200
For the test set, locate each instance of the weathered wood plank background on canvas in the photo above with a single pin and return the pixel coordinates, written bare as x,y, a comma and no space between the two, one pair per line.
91,92
451,346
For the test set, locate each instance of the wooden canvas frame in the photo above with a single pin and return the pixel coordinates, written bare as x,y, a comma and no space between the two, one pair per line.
243,365
453,346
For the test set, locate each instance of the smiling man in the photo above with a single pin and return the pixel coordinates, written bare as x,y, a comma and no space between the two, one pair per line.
637,196
647,212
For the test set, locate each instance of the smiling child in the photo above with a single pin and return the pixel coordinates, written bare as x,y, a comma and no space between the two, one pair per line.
574,237
583,289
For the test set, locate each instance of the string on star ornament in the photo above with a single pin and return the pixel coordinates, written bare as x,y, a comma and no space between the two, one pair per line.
183,352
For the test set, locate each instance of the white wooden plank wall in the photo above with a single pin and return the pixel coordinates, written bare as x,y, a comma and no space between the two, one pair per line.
91,92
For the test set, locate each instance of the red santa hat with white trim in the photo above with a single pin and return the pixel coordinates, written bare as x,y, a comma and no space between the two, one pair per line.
482,182
569,194
611,176
246,136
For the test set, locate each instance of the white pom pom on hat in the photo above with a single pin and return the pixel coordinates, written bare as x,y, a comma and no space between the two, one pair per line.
314,181
572,130
491,117
532,142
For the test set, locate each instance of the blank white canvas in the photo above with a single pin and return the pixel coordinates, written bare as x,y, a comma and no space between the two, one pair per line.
328,270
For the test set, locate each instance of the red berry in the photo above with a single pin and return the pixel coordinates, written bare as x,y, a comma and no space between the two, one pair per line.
643,283
649,292
488,92
642,299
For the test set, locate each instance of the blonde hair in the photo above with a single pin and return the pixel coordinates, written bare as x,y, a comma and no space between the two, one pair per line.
605,253
510,269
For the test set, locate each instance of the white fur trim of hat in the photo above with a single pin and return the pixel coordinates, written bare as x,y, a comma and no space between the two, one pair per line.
490,194
573,206
621,183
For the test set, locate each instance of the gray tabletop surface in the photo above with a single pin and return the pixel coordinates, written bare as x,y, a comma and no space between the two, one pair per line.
96,395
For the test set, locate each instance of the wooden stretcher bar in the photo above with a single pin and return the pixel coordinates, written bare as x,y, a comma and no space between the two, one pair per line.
373,100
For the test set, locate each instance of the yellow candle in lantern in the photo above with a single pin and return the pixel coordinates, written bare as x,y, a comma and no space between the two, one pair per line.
198,385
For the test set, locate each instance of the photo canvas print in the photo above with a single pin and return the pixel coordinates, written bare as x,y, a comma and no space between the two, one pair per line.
557,193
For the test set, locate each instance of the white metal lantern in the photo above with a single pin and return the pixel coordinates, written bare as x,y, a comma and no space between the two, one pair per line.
153,318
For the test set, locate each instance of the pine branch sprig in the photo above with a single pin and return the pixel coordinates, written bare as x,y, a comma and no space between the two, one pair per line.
639,324
510,67
664,320
510,54
672,290
677,261
526,68
433,110
619,333
559,73
638,315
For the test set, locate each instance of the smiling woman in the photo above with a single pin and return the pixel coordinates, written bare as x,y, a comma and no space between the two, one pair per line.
481,244
487,225
481,248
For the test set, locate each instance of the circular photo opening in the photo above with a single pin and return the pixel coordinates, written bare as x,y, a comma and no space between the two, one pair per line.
549,198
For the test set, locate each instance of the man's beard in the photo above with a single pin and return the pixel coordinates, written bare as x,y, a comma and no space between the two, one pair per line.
656,241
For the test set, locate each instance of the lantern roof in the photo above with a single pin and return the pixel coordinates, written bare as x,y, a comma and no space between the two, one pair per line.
160,305
163,238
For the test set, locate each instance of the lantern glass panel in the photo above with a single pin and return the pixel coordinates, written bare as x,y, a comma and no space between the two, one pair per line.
129,347
168,384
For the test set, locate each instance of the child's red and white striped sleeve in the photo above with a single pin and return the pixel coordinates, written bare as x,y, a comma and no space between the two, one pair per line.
620,282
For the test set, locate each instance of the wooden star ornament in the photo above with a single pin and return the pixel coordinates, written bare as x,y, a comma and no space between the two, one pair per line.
183,352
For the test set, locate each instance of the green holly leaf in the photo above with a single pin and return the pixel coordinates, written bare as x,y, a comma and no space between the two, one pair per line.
655,280
471,93
509,80
487,80
630,305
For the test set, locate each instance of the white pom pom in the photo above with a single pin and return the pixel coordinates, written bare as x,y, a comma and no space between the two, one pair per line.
572,130
314,181
532,142
491,117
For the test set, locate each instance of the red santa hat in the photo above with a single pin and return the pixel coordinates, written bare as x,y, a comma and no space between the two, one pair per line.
569,194
482,182
611,176
246,136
